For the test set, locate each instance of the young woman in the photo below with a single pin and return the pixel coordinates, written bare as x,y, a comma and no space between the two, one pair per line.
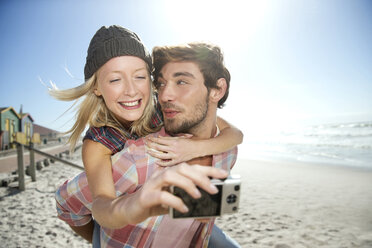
119,104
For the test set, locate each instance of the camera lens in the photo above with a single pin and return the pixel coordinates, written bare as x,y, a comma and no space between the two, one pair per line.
237,187
231,198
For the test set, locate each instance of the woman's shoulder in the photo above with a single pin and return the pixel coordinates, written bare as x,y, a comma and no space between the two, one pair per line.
107,136
105,131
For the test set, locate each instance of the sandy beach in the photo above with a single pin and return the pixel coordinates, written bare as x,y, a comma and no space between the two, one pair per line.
301,205
282,205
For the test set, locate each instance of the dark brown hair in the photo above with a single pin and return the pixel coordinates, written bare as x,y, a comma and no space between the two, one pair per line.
208,57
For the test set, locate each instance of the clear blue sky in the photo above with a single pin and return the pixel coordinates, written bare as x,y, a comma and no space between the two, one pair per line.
292,62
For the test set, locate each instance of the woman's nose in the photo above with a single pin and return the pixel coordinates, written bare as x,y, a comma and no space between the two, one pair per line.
130,88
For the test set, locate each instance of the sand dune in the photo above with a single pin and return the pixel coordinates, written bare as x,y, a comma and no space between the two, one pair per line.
282,205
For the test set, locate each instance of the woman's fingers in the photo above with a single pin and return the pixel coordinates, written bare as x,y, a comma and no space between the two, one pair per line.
158,147
162,143
171,150
167,162
165,141
160,155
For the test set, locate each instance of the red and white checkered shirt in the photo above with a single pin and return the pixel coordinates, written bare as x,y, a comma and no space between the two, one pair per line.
131,167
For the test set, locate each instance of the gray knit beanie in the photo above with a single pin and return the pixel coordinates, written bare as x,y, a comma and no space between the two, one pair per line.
110,42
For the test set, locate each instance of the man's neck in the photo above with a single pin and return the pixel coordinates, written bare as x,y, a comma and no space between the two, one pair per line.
207,128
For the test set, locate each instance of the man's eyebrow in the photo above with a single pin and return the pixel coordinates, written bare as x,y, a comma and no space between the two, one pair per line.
179,74
183,73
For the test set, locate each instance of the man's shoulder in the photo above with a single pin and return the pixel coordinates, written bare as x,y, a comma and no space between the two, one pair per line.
226,160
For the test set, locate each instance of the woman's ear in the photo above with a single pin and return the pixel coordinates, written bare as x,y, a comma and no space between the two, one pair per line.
97,92
216,94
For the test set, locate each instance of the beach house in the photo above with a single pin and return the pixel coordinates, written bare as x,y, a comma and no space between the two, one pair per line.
26,125
9,125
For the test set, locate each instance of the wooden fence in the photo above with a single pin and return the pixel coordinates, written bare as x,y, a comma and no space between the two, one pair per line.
32,166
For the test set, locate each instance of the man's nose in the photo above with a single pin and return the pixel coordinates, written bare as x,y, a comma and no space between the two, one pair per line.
167,93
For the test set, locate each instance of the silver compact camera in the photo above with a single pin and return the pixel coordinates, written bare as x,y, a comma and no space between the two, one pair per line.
225,201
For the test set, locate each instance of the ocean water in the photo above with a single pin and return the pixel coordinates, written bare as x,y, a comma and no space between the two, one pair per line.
346,144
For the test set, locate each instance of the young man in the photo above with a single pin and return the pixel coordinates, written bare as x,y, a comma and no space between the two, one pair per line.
192,82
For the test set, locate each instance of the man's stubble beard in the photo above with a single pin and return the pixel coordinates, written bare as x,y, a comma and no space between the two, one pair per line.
201,110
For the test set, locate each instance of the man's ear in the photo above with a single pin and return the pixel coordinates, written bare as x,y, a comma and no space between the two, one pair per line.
216,94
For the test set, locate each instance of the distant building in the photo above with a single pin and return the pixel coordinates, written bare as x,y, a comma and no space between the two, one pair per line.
9,125
47,134
26,125
21,126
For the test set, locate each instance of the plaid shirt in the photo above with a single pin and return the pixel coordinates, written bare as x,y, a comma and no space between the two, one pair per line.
131,168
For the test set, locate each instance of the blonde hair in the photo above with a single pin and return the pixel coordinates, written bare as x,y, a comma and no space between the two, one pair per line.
93,111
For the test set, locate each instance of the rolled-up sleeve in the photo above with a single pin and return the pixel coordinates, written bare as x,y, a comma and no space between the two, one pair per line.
74,201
